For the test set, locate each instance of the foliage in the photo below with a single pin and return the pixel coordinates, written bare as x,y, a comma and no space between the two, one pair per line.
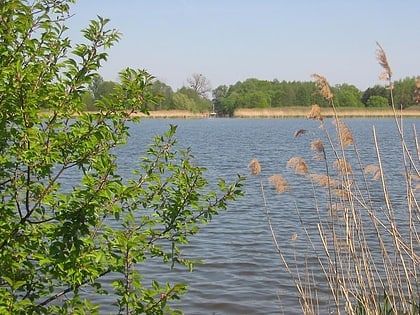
347,96
403,92
189,99
377,90
68,217
164,94
254,93
377,101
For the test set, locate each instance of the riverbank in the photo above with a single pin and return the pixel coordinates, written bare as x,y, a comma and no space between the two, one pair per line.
287,112
326,112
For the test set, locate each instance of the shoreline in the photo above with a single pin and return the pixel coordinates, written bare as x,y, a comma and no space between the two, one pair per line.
285,112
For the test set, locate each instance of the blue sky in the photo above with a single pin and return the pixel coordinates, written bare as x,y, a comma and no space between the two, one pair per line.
232,40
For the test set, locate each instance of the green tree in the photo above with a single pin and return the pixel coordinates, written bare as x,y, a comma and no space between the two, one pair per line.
88,100
377,90
256,93
219,94
182,101
403,92
190,99
284,95
347,95
105,89
164,93
377,101
257,99
56,240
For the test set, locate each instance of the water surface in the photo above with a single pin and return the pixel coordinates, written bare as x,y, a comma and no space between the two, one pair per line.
241,272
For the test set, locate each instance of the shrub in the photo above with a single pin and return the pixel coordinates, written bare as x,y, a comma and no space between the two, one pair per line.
68,217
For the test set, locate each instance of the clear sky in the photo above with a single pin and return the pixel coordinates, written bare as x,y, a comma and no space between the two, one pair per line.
233,40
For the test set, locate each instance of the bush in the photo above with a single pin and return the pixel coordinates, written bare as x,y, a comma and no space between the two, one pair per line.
68,218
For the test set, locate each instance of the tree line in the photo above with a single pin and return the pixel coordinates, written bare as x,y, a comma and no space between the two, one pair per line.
256,93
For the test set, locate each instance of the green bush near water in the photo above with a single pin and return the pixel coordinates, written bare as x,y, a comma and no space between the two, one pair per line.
60,239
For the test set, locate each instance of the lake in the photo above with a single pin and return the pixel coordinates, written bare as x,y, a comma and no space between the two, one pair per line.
241,272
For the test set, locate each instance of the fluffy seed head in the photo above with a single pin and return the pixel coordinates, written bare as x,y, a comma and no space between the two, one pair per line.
383,62
323,86
315,113
324,180
298,164
255,167
280,184
374,170
344,133
318,147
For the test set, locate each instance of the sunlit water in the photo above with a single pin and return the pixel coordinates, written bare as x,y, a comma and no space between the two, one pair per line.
241,272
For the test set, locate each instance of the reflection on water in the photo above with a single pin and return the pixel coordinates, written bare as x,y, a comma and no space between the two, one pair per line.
241,272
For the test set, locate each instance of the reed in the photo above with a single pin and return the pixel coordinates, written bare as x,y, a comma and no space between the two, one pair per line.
366,248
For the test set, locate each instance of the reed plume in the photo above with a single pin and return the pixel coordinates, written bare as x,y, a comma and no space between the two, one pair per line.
386,75
324,180
315,113
255,167
318,146
298,164
344,133
373,170
323,86
280,184
364,252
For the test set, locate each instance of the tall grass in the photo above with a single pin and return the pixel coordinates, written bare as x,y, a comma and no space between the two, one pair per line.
367,249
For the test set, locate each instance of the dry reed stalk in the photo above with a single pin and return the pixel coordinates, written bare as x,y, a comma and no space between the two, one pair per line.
323,86
343,167
359,267
315,113
280,184
298,164
255,167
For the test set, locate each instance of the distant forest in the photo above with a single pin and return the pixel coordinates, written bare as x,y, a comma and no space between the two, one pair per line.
255,93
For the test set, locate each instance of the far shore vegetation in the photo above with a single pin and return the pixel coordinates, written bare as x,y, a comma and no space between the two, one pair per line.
262,98
283,112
